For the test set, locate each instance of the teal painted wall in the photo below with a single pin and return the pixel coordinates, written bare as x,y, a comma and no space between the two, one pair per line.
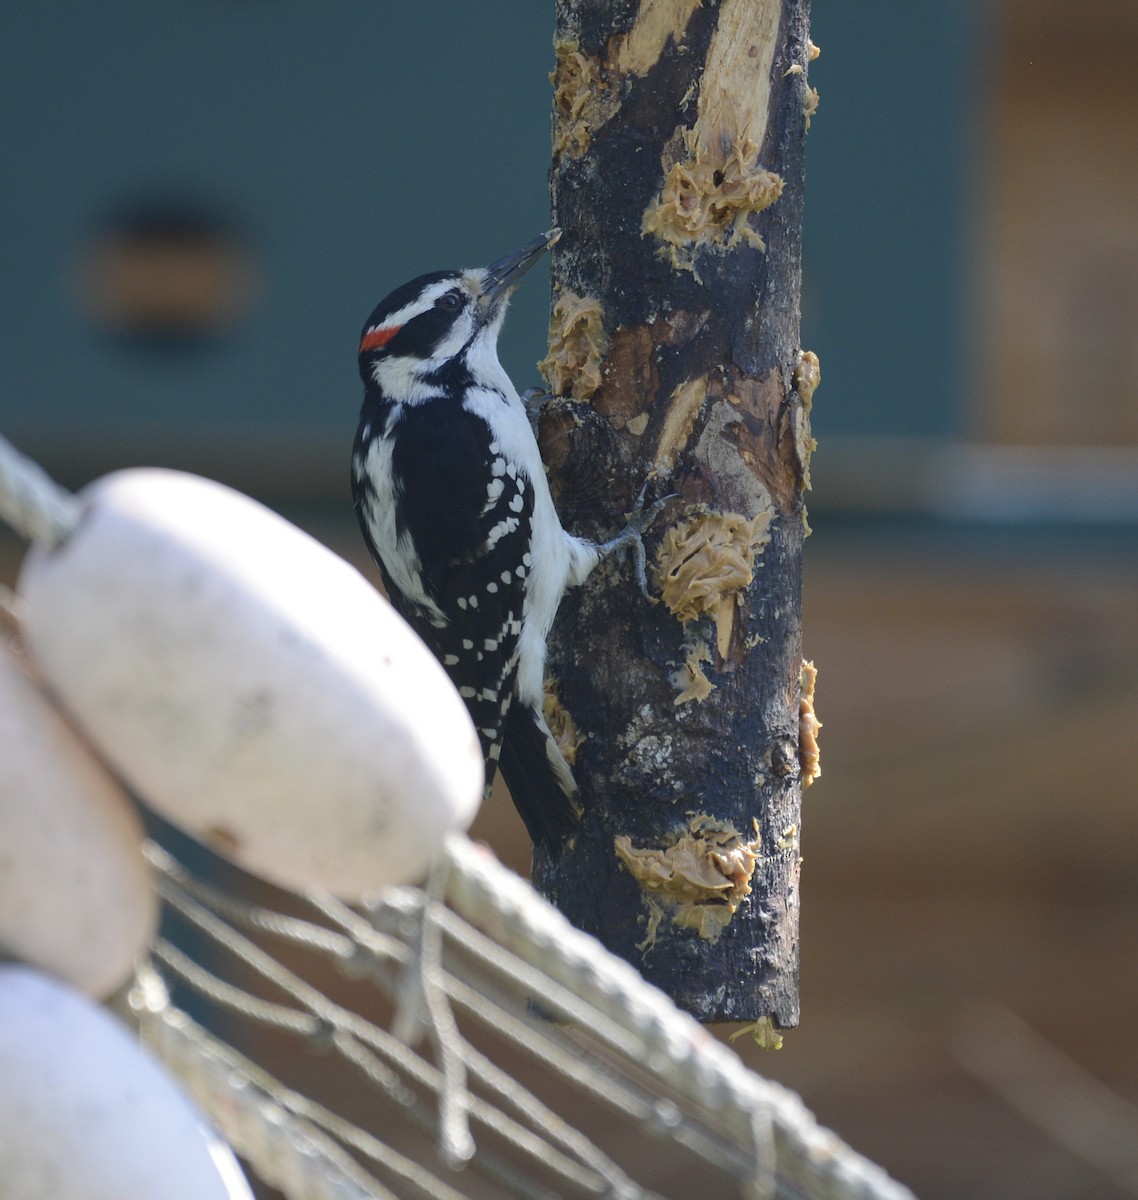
357,144
891,172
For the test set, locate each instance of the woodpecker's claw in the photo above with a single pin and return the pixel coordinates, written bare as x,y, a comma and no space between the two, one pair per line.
631,537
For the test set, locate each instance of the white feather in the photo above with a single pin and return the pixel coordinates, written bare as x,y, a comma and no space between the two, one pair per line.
403,565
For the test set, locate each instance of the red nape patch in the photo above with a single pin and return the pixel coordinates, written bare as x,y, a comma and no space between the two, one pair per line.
375,338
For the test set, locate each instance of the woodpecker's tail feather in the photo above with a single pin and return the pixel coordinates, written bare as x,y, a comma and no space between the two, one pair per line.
540,780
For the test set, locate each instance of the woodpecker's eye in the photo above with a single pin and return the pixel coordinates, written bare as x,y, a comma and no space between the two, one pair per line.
450,301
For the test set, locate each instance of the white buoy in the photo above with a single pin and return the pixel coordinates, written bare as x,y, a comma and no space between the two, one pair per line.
85,1114
76,896
253,687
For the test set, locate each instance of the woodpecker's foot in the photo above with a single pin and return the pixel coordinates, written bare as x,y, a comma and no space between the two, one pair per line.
631,537
535,399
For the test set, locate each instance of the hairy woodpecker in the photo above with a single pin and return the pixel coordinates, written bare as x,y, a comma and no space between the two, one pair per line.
455,508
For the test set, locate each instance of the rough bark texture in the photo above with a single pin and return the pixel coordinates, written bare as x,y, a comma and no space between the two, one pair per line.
679,132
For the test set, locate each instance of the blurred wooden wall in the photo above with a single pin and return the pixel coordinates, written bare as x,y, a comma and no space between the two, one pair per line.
1056,318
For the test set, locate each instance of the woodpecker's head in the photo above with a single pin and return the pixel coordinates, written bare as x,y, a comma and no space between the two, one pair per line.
415,335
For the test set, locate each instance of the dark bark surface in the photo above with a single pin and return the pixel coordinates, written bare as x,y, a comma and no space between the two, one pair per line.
679,133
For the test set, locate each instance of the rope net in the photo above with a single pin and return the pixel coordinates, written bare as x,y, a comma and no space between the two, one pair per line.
488,1016
460,1039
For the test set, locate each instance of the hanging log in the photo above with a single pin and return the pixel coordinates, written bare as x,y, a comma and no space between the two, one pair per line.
679,134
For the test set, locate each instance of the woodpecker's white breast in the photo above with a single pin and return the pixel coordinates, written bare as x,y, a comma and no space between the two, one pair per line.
556,558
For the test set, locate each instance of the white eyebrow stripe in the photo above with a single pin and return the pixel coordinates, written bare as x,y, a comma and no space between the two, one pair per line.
420,304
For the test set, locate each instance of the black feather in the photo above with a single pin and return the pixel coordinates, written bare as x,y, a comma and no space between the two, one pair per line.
449,520
472,549
550,815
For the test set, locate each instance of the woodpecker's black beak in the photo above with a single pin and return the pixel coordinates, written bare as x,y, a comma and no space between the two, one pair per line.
503,276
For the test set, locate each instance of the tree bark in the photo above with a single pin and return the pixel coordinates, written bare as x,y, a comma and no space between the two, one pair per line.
679,134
